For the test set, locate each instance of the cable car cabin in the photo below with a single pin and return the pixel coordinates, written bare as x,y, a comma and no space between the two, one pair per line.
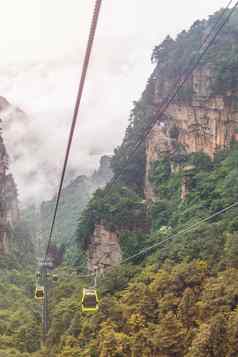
55,277
40,293
90,302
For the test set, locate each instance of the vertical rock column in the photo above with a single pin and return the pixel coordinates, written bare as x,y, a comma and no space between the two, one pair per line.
3,206
9,211
104,249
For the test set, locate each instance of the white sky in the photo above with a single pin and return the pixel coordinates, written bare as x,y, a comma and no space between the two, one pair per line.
41,46
44,29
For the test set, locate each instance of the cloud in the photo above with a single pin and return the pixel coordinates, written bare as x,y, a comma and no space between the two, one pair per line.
36,138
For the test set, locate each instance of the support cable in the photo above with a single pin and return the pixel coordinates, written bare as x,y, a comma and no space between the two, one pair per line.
164,106
71,133
184,231
218,26
75,114
207,43
189,229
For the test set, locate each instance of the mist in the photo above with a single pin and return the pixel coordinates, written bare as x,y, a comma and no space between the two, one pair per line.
36,136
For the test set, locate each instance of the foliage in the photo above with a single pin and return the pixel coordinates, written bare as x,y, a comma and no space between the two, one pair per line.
22,245
119,209
161,171
173,57
20,316
198,305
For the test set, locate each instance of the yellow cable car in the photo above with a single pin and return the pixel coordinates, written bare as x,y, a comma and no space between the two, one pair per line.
90,301
55,277
40,293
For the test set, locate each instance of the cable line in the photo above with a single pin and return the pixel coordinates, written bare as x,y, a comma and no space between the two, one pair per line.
172,237
44,266
75,114
187,230
215,25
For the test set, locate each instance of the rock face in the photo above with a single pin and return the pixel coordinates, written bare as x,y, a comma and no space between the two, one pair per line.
208,123
104,172
9,212
104,249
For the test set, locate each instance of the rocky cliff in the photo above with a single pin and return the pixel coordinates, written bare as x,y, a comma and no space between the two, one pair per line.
9,211
207,124
113,224
204,115
104,249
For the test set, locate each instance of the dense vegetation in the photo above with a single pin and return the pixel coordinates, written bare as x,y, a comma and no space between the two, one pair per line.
178,310
182,300
20,317
20,322
120,210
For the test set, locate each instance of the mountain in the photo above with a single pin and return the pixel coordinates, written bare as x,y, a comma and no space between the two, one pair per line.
74,199
163,234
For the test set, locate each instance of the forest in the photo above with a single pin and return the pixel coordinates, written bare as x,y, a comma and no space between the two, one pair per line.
178,299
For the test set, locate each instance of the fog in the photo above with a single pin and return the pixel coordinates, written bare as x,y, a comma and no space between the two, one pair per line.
42,45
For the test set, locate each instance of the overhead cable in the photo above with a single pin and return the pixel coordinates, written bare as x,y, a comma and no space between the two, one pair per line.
187,230
75,114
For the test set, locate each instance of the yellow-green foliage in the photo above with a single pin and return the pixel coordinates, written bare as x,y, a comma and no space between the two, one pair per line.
178,310
19,315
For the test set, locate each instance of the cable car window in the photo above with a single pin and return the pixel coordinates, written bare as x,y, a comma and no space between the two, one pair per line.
39,293
90,301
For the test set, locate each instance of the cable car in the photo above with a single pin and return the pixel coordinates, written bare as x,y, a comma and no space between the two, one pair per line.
40,293
55,277
90,301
